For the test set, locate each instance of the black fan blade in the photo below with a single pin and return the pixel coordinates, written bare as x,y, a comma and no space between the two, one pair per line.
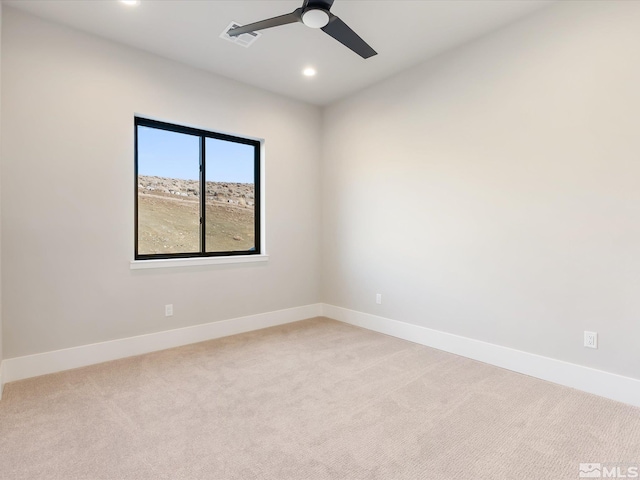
323,4
350,39
295,16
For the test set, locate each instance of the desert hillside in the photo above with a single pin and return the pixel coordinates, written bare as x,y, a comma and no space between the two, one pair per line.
169,218
232,193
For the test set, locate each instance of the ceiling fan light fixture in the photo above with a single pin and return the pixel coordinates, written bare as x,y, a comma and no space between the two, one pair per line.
315,18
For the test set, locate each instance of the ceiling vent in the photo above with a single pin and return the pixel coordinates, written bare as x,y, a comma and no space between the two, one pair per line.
246,39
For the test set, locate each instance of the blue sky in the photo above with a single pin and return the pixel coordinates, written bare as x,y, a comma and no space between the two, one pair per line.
176,155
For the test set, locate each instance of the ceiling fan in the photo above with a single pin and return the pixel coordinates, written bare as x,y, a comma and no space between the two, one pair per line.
314,14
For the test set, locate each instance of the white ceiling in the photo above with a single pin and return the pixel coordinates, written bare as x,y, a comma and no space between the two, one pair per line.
403,32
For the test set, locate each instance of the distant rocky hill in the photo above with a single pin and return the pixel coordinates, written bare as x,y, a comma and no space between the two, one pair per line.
240,194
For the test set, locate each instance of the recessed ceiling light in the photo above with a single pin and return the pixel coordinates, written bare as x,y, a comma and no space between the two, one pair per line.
131,3
309,72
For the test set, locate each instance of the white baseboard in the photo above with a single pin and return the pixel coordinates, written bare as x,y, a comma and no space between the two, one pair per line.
1,380
598,382
28,366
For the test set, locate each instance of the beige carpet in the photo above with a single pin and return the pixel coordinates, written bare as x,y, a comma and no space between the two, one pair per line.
312,400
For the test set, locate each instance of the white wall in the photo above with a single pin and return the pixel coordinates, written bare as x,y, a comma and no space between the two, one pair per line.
494,192
68,190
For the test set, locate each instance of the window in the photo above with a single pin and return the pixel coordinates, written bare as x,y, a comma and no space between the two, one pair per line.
197,192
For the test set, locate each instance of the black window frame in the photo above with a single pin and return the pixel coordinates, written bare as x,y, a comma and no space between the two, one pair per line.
203,135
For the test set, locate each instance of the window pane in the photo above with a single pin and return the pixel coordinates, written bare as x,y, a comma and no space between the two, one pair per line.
230,196
168,192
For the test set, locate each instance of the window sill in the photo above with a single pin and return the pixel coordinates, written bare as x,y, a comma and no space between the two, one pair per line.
192,262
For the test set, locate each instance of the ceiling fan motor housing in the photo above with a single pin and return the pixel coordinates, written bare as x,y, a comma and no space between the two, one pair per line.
315,17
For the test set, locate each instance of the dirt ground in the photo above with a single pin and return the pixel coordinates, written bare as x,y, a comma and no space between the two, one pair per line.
169,219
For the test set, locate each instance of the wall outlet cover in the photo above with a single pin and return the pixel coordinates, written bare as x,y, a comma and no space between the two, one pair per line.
591,339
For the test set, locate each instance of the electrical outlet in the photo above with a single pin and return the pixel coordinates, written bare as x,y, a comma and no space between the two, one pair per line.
379,298
168,310
591,339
